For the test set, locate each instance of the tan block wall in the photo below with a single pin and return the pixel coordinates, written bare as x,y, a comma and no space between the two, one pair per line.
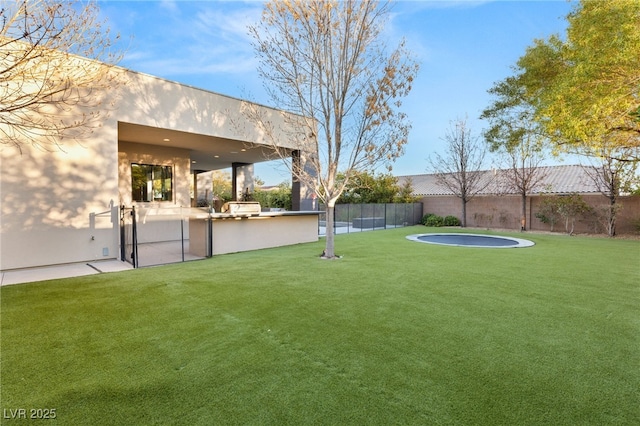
504,212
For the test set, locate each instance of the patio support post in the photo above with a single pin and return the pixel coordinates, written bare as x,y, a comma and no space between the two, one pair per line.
295,182
241,180
302,197
182,233
210,236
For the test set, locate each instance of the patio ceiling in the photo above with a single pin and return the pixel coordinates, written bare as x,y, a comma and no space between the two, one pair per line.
207,152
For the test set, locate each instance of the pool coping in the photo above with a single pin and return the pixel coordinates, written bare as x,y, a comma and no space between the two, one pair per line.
520,243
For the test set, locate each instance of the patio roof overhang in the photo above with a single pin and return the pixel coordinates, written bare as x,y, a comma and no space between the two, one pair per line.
206,152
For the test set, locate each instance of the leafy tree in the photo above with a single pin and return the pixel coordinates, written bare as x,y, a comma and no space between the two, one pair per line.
279,197
585,89
569,208
364,187
583,93
459,169
549,212
47,85
218,192
326,61
405,193
221,185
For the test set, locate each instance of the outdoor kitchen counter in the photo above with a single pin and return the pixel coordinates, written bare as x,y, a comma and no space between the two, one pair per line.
238,232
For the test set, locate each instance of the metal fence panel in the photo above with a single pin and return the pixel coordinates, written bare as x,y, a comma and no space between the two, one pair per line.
155,236
367,217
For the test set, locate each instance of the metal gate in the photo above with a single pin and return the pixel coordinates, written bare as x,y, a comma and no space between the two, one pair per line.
128,236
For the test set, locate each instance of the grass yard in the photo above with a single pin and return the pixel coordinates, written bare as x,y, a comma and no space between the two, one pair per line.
396,332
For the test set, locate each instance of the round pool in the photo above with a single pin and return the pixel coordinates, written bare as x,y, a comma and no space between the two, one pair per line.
471,240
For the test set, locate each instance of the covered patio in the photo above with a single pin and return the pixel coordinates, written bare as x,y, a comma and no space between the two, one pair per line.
149,150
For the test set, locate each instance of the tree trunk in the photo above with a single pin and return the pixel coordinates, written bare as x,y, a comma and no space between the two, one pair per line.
464,212
329,233
612,216
523,216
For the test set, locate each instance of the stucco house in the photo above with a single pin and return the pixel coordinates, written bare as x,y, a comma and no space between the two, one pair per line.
153,141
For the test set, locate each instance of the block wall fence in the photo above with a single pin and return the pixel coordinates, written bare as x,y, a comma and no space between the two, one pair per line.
504,212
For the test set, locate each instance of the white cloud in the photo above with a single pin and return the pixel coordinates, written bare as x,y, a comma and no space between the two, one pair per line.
227,25
169,5
195,65
444,4
191,38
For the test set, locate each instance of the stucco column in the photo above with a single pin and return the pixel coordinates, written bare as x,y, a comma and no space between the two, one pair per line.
241,180
194,200
202,186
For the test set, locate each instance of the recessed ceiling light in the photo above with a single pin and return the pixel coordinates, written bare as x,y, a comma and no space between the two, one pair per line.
193,161
166,139
216,156
243,150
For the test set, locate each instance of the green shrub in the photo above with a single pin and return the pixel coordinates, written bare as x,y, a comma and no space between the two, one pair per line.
434,220
451,221
425,217
275,198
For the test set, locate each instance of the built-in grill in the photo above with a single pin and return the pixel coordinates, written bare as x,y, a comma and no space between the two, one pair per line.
249,208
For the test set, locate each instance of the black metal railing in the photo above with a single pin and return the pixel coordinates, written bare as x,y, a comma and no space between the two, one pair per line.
155,236
367,217
128,236
152,236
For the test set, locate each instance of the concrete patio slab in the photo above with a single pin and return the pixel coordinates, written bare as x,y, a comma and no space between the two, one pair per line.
19,276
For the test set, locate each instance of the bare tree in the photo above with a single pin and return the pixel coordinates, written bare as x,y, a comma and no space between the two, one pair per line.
517,137
523,175
55,59
610,169
459,170
327,62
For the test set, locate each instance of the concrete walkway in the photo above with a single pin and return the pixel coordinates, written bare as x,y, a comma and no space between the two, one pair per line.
151,254
19,276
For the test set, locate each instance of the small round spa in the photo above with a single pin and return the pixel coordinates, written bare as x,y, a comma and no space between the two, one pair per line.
470,240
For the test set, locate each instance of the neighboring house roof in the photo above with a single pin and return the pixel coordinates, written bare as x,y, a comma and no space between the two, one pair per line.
555,179
269,187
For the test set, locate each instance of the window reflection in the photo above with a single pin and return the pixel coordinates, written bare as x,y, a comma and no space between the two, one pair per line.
151,182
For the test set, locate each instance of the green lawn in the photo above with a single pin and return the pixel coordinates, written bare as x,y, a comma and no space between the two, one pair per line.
396,332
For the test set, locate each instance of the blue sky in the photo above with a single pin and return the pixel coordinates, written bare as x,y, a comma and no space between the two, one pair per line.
464,47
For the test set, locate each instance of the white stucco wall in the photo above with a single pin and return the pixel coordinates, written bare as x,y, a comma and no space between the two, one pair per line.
231,235
152,101
49,199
